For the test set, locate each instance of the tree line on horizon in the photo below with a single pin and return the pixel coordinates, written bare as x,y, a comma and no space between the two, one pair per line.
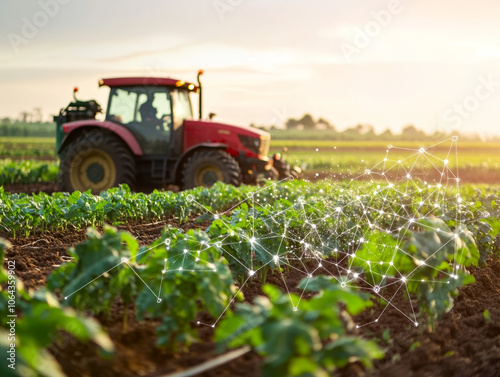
21,128
303,128
307,127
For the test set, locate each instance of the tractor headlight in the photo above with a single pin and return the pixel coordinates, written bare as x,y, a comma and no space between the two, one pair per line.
251,143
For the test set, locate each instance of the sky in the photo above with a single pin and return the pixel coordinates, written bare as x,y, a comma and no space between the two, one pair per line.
386,63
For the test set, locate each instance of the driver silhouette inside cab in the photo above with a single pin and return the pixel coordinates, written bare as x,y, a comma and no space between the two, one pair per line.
148,111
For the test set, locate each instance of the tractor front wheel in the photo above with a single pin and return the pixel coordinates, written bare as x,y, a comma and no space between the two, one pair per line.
206,167
98,162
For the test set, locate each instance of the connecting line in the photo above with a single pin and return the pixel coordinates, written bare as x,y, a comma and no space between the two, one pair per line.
145,251
389,302
154,294
230,302
257,191
83,286
411,305
387,209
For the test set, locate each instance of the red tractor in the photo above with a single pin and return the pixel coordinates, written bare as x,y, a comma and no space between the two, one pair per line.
148,135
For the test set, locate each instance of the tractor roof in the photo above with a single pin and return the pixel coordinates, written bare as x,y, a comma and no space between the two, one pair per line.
147,81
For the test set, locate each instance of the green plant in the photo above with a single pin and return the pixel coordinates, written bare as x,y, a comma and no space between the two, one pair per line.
38,323
311,340
190,278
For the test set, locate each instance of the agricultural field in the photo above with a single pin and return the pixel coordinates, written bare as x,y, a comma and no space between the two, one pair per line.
34,160
381,274
478,161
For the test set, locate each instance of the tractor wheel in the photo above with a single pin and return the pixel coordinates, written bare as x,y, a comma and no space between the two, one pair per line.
96,161
206,167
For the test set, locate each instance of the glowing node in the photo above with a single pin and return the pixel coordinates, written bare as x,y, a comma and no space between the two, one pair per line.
343,285
65,298
158,301
185,251
163,271
446,162
190,198
252,240
180,268
416,324
421,150
251,272
403,279
294,308
376,289
216,217
124,260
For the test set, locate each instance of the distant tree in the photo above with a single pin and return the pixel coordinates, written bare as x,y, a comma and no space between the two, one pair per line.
307,122
410,132
292,124
326,123
386,135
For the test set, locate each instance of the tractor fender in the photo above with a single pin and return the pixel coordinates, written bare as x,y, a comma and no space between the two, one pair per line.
183,158
74,129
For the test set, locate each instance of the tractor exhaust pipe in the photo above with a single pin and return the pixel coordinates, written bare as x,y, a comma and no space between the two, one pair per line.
200,112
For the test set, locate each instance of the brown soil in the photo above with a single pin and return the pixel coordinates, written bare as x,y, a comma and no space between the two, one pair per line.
464,342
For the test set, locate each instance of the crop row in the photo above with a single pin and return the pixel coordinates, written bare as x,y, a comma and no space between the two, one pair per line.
29,171
276,229
22,213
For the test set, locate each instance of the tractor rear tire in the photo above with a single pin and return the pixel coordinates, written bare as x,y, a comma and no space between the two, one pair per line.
206,167
98,162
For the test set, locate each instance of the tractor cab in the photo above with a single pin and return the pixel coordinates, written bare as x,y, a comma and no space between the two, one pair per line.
149,136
